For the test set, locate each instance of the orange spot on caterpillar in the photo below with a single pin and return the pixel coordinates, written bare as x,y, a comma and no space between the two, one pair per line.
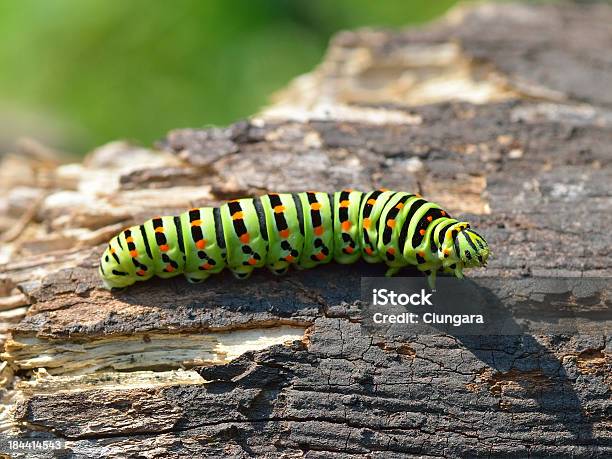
196,223
344,203
279,209
290,258
346,225
252,261
400,205
169,268
164,248
348,190
140,272
418,195
366,223
422,232
318,230
422,254
368,250
371,201
245,238
159,229
320,256
429,218
207,266
383,189
284,233
315,206
391,250
443,213
133,253
446,252
129,239
349,249
391,223
112,251
201,244
237,216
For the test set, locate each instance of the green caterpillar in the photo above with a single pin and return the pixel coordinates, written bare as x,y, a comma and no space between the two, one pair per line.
302,229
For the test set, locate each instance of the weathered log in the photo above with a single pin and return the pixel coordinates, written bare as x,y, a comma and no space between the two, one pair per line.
500,113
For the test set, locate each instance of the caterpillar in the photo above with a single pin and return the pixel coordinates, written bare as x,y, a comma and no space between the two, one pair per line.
301,229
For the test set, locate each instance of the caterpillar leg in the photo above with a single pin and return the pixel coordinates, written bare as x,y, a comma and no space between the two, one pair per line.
455,269
196,278
242,272
392,272
279,268
431,280
107,285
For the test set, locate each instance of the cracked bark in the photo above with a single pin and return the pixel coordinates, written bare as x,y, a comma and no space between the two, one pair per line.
275,366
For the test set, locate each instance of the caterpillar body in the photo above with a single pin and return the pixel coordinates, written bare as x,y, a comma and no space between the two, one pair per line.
301,229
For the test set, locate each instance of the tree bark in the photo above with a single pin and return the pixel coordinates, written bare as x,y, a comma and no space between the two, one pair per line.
501,113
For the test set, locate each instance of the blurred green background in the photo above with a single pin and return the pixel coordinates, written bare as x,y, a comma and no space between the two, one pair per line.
75,74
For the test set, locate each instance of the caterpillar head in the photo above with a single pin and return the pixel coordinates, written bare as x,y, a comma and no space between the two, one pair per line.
463,248
113,274
471,248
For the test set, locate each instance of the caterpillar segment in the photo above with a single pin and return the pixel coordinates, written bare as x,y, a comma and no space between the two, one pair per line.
302,230
372,206
284,217
318,229
246,245
205,253
390,228
346,205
